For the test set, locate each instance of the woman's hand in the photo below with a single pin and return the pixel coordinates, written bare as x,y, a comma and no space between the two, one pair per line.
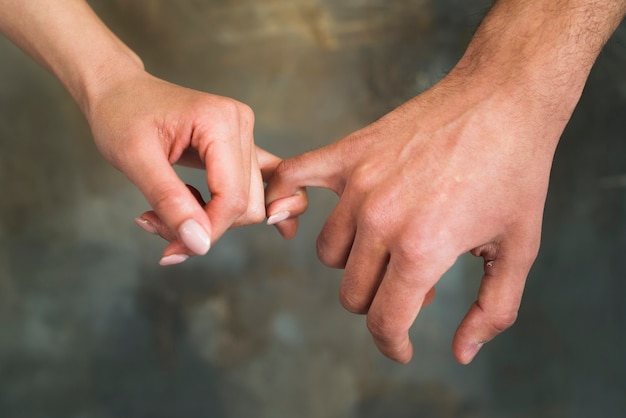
143,125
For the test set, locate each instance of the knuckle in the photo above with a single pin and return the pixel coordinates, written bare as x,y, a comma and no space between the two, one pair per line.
236,204
165,198
229,108
351,302
415,249
283,170
424,242
373,218
504,321
329,258
232,110
246,113
383,329
255,214
223,116
362,180
498,321
239,204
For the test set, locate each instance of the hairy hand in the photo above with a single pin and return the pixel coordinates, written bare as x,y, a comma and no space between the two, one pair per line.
446,173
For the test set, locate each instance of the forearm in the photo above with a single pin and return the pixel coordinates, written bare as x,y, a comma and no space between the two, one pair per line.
540,52
68,39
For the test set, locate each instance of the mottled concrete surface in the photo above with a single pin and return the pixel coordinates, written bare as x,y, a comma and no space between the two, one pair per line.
92,327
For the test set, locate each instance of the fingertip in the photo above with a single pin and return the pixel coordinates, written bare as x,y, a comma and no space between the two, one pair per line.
402,355
467,353
146,225
150,222
398,348
173,259
278,217
469,338
405,358
175,253
173,202
406,354
295,204
287,228
194,236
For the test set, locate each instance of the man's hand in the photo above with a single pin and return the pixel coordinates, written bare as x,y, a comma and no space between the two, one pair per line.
426,183
462,167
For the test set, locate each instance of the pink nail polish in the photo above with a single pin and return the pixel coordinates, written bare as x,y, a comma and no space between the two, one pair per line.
172,259
194,237
146,225
278,217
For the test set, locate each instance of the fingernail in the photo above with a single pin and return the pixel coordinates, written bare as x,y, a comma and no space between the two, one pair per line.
169,260
194,237
278,217
146,225
471,352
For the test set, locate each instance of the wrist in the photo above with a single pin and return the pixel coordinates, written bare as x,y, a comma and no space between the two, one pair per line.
69,40
537,55
89,83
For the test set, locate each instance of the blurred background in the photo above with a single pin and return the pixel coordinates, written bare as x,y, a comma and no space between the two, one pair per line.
92,327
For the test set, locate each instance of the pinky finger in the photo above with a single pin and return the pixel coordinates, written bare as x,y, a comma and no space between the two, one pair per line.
283,213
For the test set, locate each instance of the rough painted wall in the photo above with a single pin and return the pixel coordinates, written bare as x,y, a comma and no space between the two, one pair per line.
92,327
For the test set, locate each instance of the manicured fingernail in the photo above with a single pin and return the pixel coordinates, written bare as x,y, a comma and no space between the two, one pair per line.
146,225
169,260
471,352
194,237
278,217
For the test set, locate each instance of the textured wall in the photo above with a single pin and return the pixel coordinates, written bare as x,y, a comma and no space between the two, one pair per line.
92,327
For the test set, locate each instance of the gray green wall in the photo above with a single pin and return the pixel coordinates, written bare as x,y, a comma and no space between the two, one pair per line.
92,327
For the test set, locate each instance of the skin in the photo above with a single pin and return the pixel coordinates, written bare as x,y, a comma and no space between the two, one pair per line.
143,125
463,167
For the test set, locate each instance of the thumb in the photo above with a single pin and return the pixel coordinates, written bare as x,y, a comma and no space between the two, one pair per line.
173,202
498,302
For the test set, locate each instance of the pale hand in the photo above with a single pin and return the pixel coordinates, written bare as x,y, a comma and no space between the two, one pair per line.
143,125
